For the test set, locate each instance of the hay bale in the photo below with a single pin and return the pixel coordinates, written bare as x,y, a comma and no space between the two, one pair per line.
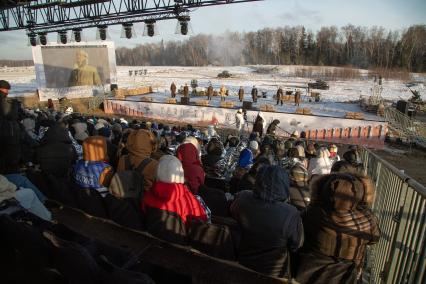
299,110
171,101
307,111
202,103
227,104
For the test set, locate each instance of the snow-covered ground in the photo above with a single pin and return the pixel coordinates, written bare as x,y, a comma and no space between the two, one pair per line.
334,102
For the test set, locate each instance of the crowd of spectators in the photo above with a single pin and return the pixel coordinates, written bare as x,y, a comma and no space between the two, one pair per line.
270,199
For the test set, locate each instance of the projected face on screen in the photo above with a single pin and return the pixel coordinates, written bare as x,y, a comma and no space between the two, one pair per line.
72,66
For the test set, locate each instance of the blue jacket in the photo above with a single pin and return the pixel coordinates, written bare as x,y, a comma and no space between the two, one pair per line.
87,174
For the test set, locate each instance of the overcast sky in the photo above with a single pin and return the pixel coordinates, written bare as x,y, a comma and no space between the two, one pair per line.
391,14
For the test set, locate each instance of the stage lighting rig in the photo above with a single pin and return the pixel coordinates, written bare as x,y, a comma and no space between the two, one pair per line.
183,26
76,34
150,28
62,37
102,32
42,37
32,38
127,31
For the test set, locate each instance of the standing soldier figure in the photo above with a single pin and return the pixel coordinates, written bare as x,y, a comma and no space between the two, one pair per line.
241,94
297,98
210,92
186,91
254,94
222,93
173,90
280,96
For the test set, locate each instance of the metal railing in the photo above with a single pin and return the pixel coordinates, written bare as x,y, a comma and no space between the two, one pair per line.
400,207
415,130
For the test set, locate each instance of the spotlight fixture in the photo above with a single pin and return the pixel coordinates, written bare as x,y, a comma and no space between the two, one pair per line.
150,28
127,31
62,37
42,37
76,34
32,39
183,26
102,32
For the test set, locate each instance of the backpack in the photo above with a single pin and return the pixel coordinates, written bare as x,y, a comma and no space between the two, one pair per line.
129,183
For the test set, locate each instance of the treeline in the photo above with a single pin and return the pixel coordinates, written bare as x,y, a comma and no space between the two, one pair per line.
16,63
373,47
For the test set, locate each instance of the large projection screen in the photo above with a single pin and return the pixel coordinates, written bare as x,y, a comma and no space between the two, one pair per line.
74,70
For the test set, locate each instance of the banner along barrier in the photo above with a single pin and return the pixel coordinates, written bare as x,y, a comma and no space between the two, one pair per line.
339,130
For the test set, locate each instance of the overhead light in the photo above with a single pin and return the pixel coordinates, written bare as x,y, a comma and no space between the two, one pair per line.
127,31
42,37
32,39
62,37
76,35
150,28
183,26
102,32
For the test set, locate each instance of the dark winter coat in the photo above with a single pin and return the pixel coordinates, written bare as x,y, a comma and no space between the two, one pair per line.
56,153
241,94
258,125
186,91
270,227
210,91
254,94
173,89
280,94
272,127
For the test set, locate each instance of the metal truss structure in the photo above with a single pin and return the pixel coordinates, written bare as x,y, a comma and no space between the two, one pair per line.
45,16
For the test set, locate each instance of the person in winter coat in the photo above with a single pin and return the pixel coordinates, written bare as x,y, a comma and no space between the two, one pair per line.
56,154
297,97
173,90
140,146
213,162
239,121
254,94
338,227
270,226
248,180
81,131
186,91
10,130
321,165
245,162
310,151
190,158
299,190
273,127
241,94
280,96
25,197
210,92
222,93
93,171
259,124
170,206
334,157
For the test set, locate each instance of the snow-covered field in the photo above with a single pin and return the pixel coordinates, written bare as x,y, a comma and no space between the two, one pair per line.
334,102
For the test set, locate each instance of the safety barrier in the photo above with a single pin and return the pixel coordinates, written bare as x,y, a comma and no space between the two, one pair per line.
400,207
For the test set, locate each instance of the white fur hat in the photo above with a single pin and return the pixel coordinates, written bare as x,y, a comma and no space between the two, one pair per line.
296,133
254,146
170,170
69,110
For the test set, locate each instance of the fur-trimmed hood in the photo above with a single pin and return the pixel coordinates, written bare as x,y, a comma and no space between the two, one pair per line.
342,191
